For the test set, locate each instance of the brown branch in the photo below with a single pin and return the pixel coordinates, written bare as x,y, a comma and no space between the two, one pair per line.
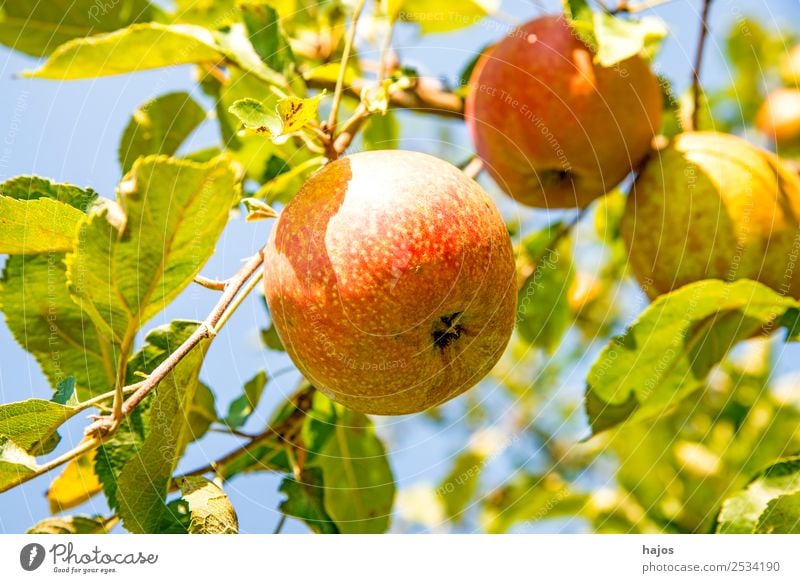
425,95
698,64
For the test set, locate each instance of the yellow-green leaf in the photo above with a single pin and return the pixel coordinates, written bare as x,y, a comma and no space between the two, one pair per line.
136,48
37,226
72,525
30,423
210,510
435,16
15,463
175,212
37,28
76,484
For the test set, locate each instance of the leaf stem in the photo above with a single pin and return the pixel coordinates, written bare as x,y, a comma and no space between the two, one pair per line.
698,64
348,47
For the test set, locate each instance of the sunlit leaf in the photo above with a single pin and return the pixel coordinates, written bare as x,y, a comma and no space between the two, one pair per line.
71,525
15,463
136,48
76,484
768,504
667,353
436,16
175,212
37,28
210,510
30,423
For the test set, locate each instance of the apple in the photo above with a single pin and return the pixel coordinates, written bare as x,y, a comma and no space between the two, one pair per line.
779,116
390,280
713,206
553,128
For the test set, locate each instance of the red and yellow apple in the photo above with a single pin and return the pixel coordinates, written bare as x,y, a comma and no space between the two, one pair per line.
390,280
790,66
779,116
713,206
553,128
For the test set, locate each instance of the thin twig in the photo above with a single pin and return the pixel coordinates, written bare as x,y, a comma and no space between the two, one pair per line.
214,284
623,6
348,47
473,168
281,522
698,64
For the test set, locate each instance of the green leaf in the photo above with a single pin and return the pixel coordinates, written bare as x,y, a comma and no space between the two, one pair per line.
159,126
71,525
36,28
136,48
254,116
31,423
242,407
211,511
305,501
529,498
144,481
782,516
460,485
359,485
543,313
289,115
39,311
667,353
271,340
613,38
125,444
37,226
202,413
266,35
768,504
619,39
65,393
175,212
437,16
15,463
382,132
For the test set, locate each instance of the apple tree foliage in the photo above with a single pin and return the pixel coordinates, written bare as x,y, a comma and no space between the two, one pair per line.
683,434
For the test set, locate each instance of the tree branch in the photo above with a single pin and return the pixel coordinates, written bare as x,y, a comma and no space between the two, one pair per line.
698,64
425,95
348,47
99,431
